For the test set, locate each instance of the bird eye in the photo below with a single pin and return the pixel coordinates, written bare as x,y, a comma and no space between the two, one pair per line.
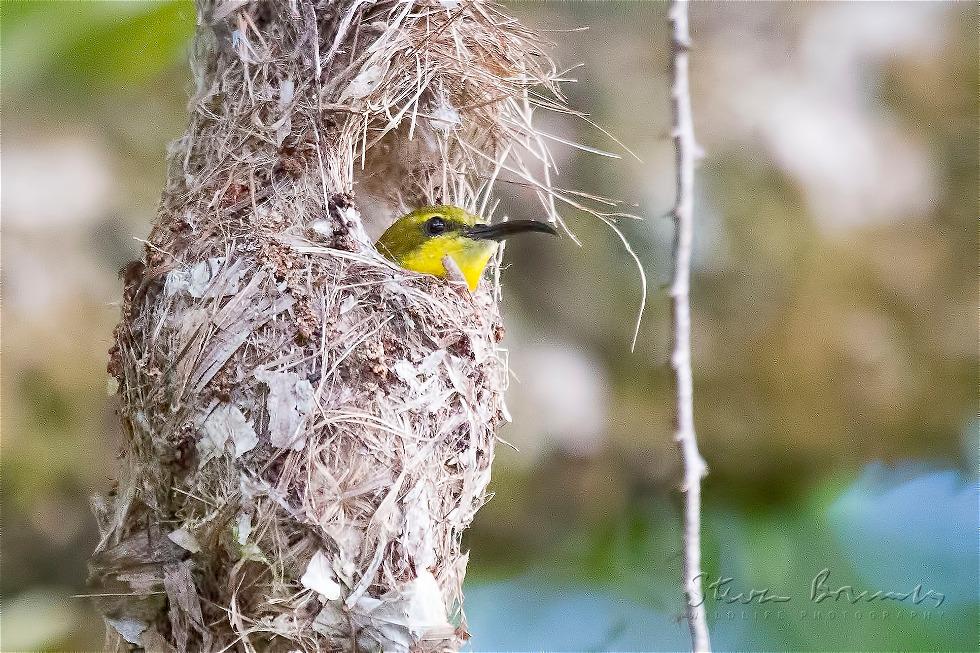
435,226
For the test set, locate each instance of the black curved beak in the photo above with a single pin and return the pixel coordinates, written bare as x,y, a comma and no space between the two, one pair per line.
503,230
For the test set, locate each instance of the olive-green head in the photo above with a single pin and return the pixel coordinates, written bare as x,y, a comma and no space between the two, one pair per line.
421,240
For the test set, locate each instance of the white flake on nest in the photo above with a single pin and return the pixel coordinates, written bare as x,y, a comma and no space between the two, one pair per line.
320,578
191,280
185,540
456,369
348,303
425,610
418,614
284,126
398,621
129,628
426,388
286,91
290,400
419,377
445,117
197,279
365,82
243,528
418,535
348,539
226,424
323,227
243,48
352,220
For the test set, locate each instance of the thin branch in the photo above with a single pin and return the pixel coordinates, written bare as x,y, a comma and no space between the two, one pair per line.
686,150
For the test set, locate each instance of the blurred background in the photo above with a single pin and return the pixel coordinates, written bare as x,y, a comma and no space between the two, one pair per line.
835,325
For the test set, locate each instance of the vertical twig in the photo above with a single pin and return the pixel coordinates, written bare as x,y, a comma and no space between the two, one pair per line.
686,152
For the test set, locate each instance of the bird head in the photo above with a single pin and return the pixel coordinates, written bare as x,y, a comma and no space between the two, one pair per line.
421,240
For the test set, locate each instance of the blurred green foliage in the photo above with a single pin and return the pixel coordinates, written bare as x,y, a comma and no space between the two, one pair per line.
817,349
631,561
83,48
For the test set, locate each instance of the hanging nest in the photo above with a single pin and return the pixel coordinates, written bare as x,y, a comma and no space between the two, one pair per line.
309,428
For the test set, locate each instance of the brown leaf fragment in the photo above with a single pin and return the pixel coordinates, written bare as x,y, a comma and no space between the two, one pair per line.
185,607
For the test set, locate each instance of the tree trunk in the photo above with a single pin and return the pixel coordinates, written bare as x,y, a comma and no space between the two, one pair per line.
310,429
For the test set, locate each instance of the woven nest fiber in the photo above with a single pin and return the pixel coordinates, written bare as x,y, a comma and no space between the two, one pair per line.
309,428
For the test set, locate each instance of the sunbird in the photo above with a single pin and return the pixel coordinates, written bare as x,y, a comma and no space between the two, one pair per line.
421,240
